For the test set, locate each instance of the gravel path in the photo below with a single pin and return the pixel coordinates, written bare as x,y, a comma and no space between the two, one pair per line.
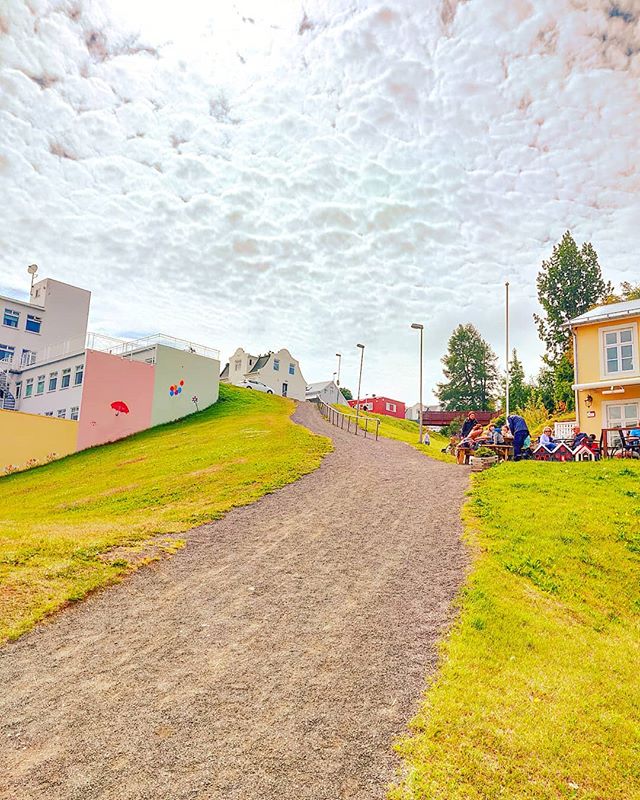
276,657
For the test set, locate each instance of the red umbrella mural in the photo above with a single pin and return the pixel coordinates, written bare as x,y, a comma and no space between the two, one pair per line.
119,406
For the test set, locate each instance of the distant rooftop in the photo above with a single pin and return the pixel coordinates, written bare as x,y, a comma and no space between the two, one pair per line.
612,311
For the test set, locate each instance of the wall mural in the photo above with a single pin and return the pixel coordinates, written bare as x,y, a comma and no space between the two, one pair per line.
176,389
119,406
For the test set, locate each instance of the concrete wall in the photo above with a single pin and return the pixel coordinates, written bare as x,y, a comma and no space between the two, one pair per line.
25,436
108,379
200,377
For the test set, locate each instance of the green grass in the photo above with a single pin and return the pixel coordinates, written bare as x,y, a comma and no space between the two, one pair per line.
403,430
538,692
57,521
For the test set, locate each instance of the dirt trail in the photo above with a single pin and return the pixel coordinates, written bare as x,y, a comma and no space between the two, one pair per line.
277,656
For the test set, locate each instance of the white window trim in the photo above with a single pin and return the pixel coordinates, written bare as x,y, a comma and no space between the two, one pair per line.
603,351
17,319
621,402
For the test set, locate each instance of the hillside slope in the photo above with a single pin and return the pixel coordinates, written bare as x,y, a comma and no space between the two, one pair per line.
60,523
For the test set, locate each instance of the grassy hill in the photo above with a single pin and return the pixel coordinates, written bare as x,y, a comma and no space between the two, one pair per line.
404,430
538,694
60,523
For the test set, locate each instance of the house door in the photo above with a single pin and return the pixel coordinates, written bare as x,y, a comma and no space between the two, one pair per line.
285,389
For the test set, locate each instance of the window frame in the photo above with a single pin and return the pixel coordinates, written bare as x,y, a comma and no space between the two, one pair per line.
28,387
7,312
276,365
390,406
33,318
78,371
74,413
10,350
66,373
53,376
292,369
40,381
61,413
635,355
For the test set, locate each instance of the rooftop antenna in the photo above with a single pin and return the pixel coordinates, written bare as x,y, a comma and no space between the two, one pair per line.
32,269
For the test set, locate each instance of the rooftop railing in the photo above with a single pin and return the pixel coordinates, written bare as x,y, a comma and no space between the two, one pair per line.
120,347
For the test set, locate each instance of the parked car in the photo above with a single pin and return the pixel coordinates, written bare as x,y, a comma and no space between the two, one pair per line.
257,385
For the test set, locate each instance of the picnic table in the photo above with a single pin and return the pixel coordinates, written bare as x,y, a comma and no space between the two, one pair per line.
503,451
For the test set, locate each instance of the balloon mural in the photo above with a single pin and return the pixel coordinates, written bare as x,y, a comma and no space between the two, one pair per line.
176,389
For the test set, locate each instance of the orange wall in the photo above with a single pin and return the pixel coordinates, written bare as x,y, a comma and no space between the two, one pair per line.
109,379
25,436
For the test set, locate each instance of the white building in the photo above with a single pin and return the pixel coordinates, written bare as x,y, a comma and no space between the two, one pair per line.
413,412
327,391
42,344
279,371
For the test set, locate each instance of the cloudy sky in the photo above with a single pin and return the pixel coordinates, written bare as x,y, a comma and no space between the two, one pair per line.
317,173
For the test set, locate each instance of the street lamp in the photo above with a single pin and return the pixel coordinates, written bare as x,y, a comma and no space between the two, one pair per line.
339,355
418,327
361,346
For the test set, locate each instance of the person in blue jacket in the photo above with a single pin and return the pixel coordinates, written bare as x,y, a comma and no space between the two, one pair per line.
518,428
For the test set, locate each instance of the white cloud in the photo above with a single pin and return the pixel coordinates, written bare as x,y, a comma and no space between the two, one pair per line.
268,175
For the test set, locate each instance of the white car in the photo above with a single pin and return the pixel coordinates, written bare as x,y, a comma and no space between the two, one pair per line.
257,385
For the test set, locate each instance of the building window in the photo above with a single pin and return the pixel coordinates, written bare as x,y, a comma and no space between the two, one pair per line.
18,389
6,352
33,323
74,412
238,364
390,406
10,318
623,415
40,384
285,389
619,350
61,413
79,373
66,378
27,358
53,381
292,369
276,364
28,389
48,413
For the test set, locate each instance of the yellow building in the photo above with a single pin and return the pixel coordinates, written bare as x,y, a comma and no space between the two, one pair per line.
607,367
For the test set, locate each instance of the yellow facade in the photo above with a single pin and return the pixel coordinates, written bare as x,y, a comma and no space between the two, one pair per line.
27,436
607,398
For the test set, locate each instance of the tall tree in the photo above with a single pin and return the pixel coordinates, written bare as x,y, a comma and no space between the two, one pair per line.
569,284
519,389
471,372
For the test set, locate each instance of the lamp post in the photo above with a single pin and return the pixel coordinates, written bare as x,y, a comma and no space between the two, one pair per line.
339,355
361,346
418,327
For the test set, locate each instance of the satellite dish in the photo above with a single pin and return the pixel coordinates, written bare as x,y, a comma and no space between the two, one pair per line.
32,269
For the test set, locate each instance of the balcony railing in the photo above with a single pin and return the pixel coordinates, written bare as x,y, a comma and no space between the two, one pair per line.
120,347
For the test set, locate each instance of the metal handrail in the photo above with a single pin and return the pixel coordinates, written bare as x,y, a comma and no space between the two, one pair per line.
338,418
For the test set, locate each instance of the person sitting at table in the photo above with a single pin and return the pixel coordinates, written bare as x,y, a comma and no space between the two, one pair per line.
498,437
578,437
546,438
476,433
469,424
506,433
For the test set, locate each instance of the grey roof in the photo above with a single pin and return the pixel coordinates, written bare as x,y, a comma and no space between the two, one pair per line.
612,311
262,360
318,387
225,371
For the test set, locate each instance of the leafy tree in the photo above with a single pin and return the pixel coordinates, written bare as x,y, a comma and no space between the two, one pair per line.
569,284
534,412
628,291
348,395
471,372
553,388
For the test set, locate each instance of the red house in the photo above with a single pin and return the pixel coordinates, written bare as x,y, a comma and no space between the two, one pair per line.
381,405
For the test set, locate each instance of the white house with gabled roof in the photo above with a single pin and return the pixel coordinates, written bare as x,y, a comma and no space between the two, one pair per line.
326,391
279,371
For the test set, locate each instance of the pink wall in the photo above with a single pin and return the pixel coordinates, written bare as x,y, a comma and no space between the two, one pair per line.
109,379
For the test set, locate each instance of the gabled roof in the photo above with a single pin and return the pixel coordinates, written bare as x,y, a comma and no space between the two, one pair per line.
318,387
612,311
262,360
225,371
